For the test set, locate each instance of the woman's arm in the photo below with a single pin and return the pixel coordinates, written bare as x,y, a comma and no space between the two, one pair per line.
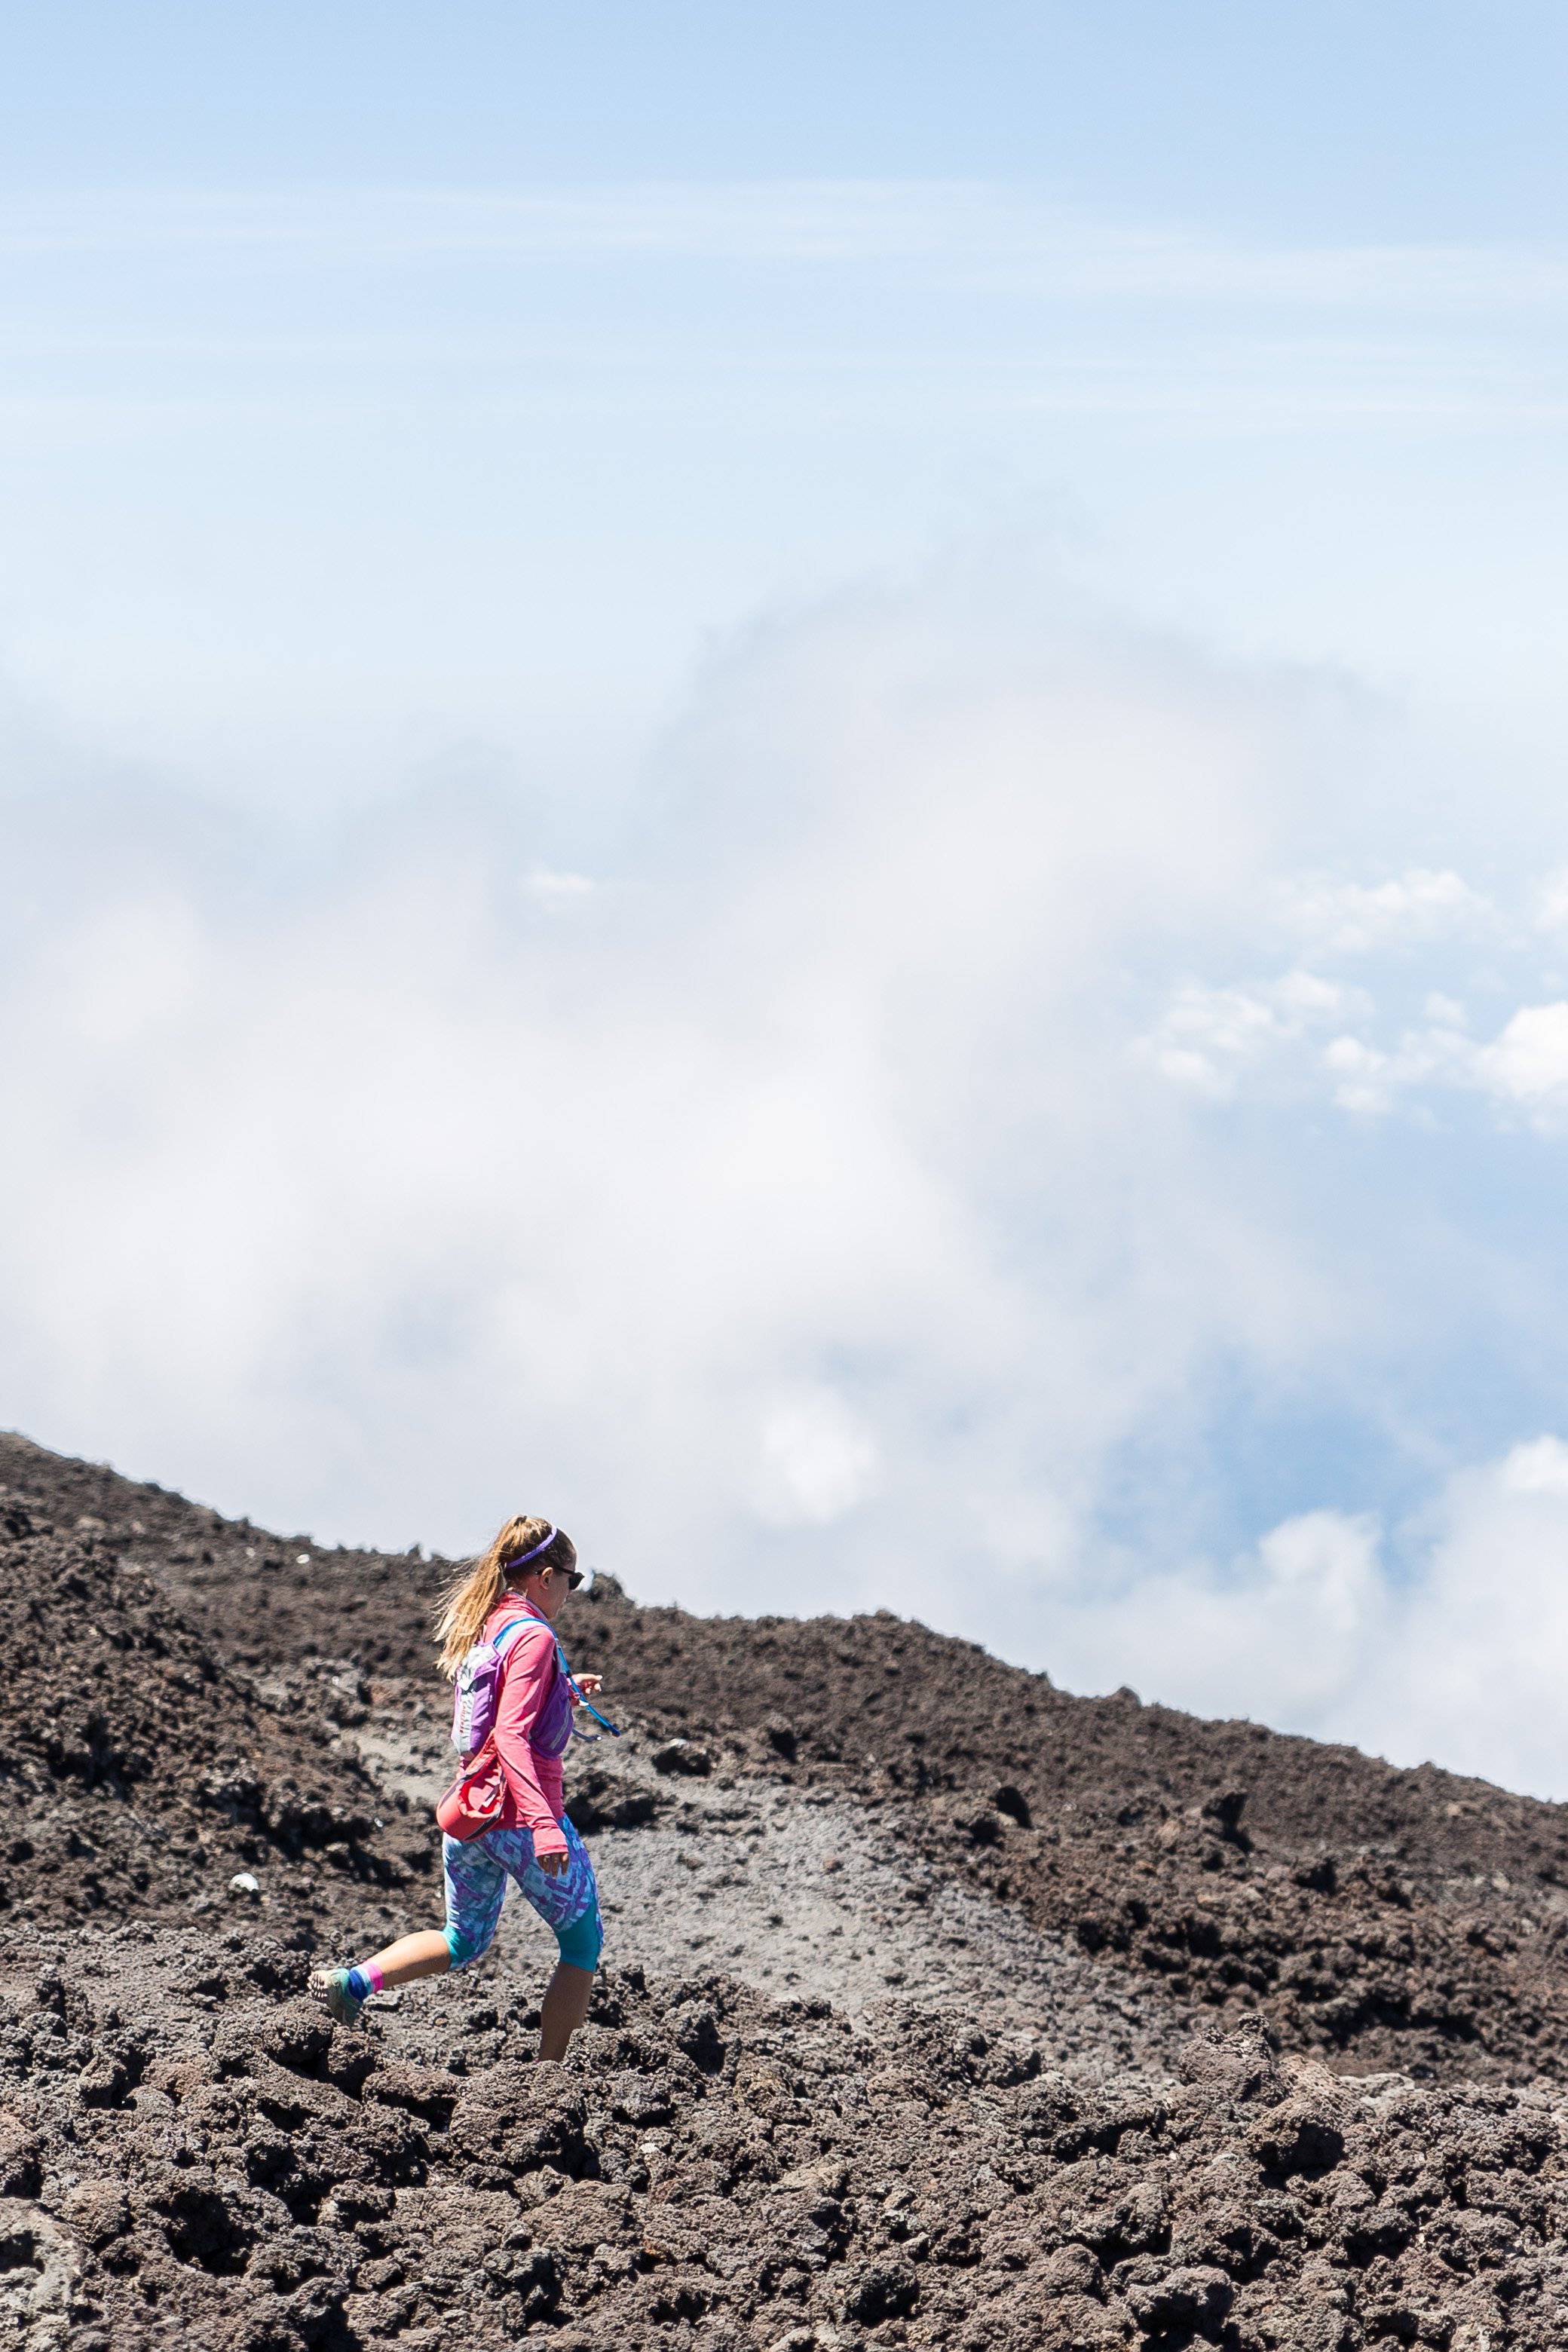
525,1685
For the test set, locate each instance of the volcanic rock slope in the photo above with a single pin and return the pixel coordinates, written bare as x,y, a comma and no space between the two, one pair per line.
940,2006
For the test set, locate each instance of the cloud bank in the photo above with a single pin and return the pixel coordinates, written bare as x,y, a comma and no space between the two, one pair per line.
977,1133
1461,1658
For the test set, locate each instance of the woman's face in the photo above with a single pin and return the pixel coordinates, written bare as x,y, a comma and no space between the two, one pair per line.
547,1588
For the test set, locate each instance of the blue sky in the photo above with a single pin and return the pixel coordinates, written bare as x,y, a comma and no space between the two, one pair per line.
383,375
805,777
1409,119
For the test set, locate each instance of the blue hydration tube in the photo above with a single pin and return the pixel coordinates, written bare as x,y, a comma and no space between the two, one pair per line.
614,1729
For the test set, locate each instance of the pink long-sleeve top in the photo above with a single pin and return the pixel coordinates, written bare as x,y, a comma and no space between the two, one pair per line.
533,1727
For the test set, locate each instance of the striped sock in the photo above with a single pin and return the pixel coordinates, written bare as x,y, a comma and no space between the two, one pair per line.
364,1979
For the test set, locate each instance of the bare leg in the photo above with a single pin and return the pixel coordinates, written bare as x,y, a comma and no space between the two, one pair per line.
425,1955
564,2007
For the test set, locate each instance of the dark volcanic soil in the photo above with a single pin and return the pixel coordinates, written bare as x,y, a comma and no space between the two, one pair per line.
139,1773
197,2156
993,1880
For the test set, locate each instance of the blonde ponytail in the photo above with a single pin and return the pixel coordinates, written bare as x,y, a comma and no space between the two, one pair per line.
474,1591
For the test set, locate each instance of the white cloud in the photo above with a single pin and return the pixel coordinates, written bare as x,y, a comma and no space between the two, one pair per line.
1280,1636
544,883
1460,1655
1358,918
1540,1467
792,1196
1360,1074
1222,1040
818,1460
1211,1039
1478,1676
698,1203
1527,1062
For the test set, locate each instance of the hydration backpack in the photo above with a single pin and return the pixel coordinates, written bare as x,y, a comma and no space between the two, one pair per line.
476,1689
476,1695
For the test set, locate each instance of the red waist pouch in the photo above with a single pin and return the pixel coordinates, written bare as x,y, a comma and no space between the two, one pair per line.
473,1802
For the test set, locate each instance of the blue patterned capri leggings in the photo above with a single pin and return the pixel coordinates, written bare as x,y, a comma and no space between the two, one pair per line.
477,1872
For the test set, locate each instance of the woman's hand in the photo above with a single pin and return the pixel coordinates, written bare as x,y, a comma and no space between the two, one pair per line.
554,1865
589,1683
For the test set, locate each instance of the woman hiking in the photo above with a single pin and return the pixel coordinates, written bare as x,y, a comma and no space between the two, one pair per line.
510,1600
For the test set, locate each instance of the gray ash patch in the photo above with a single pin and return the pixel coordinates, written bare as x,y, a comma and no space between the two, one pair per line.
812,1895
809,1895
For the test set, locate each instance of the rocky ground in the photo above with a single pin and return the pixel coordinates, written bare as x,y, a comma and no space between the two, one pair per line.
941,2007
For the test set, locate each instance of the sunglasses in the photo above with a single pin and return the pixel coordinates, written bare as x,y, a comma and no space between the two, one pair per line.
573,1575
